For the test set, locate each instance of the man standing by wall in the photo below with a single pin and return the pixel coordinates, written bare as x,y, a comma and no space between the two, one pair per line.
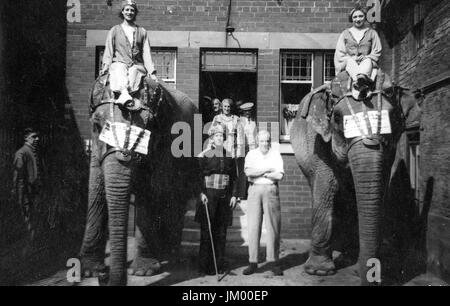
26,176
264,169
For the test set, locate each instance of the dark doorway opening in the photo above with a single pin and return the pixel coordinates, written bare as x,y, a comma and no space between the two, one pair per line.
227,74
239,86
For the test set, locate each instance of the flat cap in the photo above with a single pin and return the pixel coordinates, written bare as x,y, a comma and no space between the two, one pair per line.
246,106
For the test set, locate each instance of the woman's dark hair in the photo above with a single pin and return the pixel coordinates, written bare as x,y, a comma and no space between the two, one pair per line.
357,8
135,15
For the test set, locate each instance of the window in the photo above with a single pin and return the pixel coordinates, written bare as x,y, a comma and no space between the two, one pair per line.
229,60
300,72
418,35
295,82
414,161
164,60
329,71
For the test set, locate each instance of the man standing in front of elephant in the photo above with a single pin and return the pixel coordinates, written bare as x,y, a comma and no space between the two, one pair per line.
264,169
219,196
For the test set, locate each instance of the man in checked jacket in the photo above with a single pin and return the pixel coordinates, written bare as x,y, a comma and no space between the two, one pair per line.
220,196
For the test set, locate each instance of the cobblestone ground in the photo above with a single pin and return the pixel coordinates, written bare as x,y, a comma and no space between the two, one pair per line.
293,256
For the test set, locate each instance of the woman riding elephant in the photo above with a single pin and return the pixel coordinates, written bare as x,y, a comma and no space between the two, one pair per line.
358,50
127,57
338,142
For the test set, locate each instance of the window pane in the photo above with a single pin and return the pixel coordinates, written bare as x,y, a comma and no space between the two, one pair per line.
296,66
164,61
236,61
293,93
329,70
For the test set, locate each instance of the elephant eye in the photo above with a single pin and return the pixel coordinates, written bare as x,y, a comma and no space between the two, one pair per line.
337,117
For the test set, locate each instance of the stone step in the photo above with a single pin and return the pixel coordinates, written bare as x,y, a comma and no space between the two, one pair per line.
239,220
237,233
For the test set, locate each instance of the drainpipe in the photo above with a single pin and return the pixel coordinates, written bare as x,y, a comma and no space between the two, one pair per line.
228,29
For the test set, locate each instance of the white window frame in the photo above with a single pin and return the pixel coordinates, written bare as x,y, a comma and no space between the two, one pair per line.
325,67
155,50
286,137
413,147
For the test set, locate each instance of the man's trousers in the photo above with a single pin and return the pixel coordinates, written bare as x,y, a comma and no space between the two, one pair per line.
123,77
220,215
263,200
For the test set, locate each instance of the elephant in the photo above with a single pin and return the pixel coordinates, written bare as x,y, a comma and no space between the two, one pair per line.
345,162
116,173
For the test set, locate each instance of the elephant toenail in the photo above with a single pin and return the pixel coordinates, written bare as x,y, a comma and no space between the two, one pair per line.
150,273
139,273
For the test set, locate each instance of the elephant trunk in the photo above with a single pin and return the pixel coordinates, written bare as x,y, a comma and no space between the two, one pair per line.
117,189
367,167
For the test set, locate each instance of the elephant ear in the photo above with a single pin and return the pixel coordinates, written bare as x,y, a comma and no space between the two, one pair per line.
318,115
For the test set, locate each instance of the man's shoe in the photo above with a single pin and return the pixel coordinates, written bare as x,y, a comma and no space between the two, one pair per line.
252,267
206,270
223,268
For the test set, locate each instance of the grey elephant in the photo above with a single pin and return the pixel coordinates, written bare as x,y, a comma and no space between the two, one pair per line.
345,145
122,155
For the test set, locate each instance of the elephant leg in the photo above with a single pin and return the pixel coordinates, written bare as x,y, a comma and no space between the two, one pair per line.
94,242
345,223
172,228
117,188
324,188
146,262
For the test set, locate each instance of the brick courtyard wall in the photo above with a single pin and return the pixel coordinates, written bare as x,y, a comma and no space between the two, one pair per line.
428,69
288,16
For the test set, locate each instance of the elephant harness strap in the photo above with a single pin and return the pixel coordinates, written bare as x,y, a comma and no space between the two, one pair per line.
370,138
125,153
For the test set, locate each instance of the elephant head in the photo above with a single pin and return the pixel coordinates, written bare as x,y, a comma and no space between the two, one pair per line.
366,145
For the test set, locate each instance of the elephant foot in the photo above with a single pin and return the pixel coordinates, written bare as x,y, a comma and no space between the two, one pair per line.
144,267
319,265
345,260
103,278
92,267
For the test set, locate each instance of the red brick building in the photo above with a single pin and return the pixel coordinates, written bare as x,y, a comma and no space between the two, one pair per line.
279,50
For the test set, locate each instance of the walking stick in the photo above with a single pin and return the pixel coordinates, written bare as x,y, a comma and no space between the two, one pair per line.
212,241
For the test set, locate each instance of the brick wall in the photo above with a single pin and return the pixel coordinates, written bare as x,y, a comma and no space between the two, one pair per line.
423,69
288,16
295,201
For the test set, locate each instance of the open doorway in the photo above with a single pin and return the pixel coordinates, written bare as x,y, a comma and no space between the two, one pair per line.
227,74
